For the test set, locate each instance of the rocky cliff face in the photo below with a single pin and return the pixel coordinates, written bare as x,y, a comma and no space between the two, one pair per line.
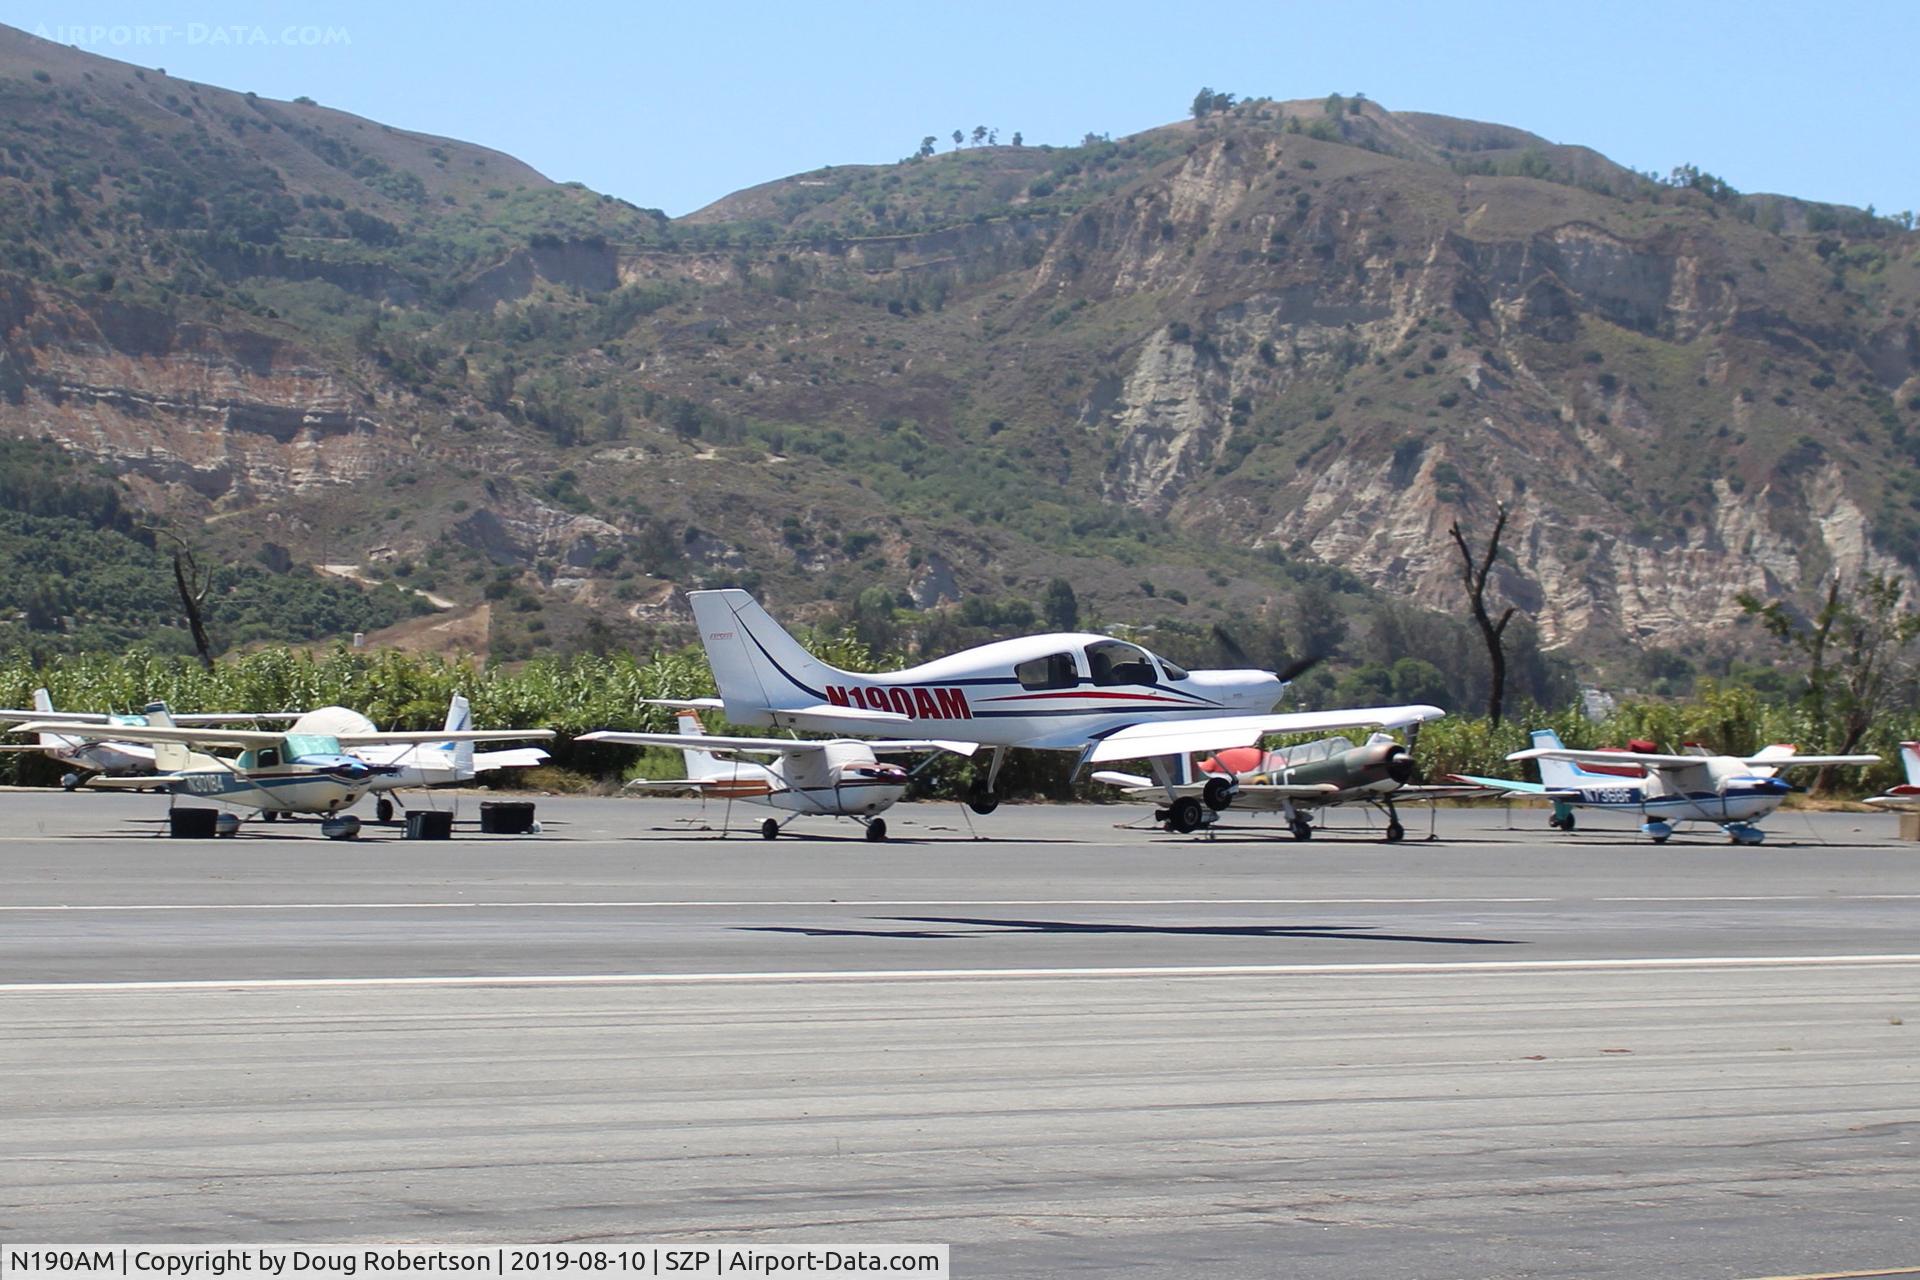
226,412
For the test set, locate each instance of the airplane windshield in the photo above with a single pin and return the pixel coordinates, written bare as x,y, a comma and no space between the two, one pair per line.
1116,662
311,744
1173,670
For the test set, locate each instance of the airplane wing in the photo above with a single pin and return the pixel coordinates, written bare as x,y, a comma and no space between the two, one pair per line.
691,704
829,716
705,742
142,782
1177,737
1789,762
522,758
906,746
244,739
351,740
1514,787
14,715
1248,795
1681,762
254,739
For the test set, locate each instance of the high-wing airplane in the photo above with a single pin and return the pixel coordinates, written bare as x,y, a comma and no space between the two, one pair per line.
274,773
442,762
841,778
90,756
1731,792
1907,794
1293,782
1105,698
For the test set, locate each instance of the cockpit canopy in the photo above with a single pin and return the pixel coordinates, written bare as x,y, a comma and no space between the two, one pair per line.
1104,662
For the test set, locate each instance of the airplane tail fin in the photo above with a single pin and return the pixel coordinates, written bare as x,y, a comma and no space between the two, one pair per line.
168,757
1910,757
758,667
460,719
1555,773
43,701
700,764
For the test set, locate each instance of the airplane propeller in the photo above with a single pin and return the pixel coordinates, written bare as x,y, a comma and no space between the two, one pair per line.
1299,667
1240,658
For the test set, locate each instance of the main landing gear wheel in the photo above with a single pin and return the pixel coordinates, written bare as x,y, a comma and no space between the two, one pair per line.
383,810
769,829
1395,832
1184,815
1301,828
1218,793
69,781
269,815
877,829
1561,824
982,802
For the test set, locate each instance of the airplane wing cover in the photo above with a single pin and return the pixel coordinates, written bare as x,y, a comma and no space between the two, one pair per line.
1177,737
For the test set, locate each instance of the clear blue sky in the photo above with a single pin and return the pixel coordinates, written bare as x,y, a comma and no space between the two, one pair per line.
675,105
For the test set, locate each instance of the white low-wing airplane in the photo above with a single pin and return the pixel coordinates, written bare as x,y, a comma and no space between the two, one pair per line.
275,772
443,761
1104,698
1293,782
1731,792
841,778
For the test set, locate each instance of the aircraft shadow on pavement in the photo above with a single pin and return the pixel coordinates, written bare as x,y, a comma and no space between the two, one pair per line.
978,926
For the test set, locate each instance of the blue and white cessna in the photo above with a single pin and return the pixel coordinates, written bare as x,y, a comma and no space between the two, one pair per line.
275,772
1731,792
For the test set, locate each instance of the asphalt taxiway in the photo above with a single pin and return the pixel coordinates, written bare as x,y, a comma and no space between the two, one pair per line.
1058,1043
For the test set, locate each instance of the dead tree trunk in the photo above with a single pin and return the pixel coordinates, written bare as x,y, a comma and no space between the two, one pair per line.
1475,576
194,585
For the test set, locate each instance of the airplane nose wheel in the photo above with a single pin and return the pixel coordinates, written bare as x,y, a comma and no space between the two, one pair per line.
383,810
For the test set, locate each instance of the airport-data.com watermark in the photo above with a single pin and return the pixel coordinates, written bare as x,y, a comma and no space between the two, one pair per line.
238,35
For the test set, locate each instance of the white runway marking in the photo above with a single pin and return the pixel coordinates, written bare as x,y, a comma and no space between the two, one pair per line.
651,904
967,975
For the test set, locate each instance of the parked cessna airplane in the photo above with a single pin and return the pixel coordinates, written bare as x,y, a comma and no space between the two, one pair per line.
442,762
1104,698
1731,792
1907,794
842,778
1291,781
275,773
87,756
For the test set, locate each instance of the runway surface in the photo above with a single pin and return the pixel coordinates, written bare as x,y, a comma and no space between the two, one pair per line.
1066,1048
